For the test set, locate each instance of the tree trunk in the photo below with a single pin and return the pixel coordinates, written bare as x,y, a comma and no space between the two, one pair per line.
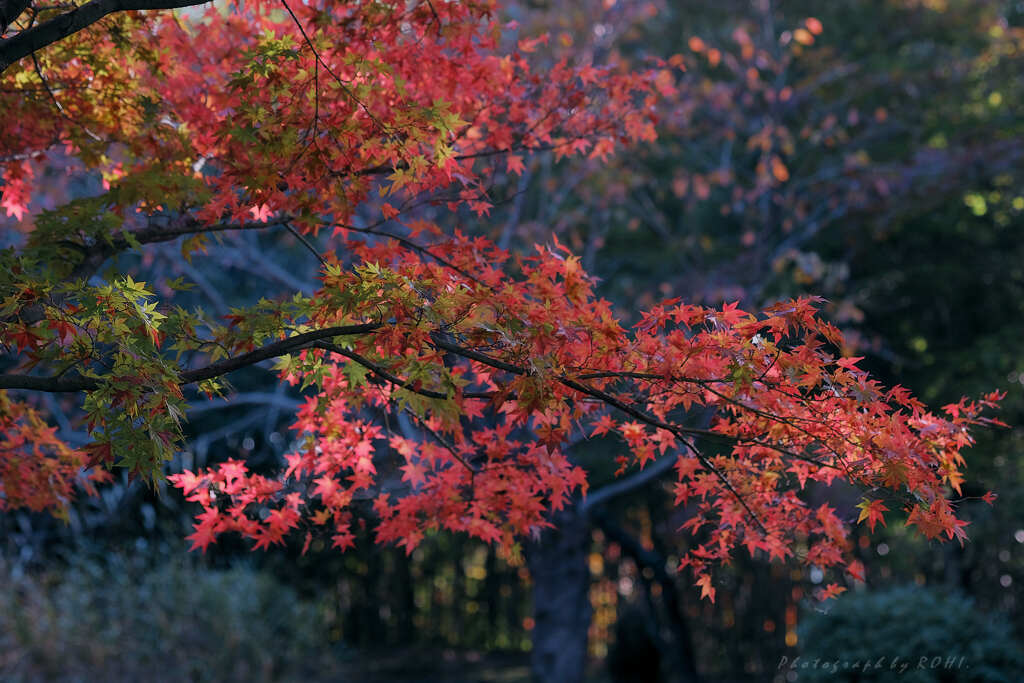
681,653
561,601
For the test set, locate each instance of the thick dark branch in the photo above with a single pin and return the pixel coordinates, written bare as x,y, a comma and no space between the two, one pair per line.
278,348
25,43
151,234
49,384
95,255
222,367
381,372
441,343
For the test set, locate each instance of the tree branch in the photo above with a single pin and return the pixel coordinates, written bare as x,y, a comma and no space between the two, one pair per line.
382,372
152,234
222,367
627,484
26,42
273,350
94,255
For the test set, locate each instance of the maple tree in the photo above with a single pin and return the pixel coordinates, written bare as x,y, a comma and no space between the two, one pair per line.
443,374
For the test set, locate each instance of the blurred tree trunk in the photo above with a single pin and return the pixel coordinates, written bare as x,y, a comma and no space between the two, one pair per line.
561,601
679,650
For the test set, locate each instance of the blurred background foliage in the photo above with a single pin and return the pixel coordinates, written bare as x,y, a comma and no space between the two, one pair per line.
870,151
133,617
904,622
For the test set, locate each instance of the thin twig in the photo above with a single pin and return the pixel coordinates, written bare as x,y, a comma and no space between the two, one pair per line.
306,242
56,102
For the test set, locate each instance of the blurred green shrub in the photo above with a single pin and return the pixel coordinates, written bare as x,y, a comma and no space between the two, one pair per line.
113,619
909,634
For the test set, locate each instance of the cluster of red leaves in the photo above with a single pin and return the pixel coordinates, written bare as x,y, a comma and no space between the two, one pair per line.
502,499
530,363
37,469
304,111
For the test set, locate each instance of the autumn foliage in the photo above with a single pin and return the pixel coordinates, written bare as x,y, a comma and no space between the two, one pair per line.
443,375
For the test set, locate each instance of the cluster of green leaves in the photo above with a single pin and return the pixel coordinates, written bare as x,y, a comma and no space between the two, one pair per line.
138,406
105,336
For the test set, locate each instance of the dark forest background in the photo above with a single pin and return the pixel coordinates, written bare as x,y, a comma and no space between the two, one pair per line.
869,151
